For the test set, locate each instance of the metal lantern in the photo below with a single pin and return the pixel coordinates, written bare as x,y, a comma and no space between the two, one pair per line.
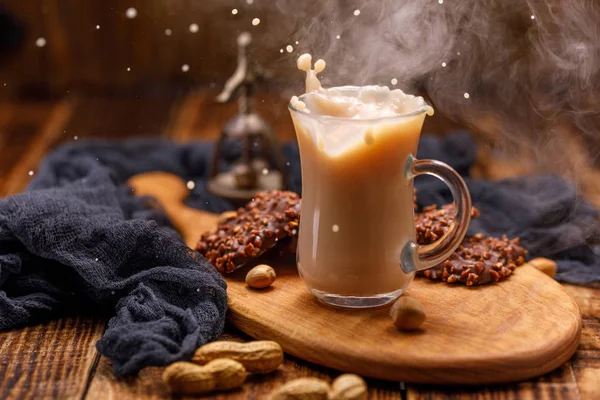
258,162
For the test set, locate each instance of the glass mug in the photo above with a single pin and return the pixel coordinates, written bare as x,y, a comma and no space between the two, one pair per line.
356,239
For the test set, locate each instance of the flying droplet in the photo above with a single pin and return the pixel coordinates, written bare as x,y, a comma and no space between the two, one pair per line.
296,42
281,50
441,1
338,36
533,17
97,26
356,13
194,28
40,42
185,68
444,64
289,48
168,32
255,21
31,173
131,13
234,11
467,95
335,228
128,69
394,81
265,171
191,185
250,2
75,137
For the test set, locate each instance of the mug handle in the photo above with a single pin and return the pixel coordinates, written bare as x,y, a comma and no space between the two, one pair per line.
415,257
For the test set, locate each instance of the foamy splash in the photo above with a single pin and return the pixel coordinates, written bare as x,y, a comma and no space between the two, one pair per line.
365,102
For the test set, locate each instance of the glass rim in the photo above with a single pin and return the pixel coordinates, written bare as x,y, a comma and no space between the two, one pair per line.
421,110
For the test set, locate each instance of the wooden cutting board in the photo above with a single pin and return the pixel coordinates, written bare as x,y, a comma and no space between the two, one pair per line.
515,330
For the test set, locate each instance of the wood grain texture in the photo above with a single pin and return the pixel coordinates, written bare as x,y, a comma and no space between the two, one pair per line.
20,127
469,338
79,55
577,379
116,119
515,330
48,361
32,131
588,299
558,385
148,385
50,130
21,122
586,362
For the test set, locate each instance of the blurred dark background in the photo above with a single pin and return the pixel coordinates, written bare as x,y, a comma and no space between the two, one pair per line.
73,70
89,45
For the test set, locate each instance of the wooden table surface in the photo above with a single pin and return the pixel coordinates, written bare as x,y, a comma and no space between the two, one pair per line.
59,359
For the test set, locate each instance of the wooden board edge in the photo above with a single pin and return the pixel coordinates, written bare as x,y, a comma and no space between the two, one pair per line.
241,318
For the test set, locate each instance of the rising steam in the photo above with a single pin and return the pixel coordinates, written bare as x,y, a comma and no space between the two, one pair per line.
529,67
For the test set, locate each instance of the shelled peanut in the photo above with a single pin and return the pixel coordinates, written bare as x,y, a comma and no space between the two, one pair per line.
260,277
544,265
407,313
261,356
302,389
224,365
348,387
220,374
344,387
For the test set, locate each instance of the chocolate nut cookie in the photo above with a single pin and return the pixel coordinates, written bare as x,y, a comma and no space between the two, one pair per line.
254,229
480,260
432,223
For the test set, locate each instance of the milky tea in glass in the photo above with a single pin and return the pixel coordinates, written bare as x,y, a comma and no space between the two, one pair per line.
356,244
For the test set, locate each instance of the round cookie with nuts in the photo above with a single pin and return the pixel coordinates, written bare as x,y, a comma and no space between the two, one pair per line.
480,260
252,230
433,222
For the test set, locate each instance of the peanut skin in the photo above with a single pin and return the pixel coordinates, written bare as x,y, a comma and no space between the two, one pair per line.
260,276
348,387
302,389
261,356
408,313
220,374
544,265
